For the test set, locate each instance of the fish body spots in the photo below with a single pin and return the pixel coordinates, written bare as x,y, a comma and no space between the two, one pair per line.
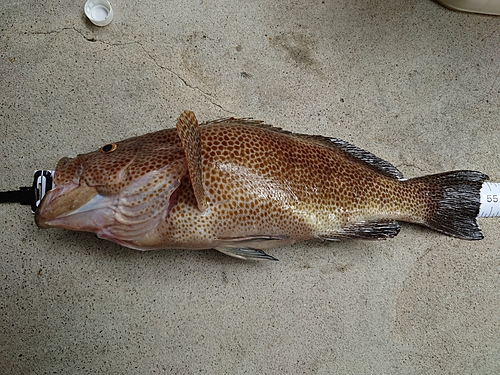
237,182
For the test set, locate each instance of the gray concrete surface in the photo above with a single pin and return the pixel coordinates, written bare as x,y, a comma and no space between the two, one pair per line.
411,81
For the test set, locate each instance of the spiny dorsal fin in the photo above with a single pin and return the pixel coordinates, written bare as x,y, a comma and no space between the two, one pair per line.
367,157
189,133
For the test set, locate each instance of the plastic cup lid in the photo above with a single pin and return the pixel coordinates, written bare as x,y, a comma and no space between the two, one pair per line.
99,12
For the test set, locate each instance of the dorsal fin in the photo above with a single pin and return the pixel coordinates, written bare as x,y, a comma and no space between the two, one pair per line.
366,156
189,133
373,161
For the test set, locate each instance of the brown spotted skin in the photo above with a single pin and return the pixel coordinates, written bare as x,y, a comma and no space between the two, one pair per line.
237,183
260,181
135,157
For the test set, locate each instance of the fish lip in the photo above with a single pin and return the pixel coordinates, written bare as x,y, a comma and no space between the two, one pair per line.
58,203
41,216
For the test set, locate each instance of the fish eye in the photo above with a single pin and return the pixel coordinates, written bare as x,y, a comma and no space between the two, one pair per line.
106,149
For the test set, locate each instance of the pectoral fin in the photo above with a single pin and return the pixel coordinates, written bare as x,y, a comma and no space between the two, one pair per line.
189,133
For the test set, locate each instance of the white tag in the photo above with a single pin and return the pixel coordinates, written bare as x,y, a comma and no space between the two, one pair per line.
490,200
42,183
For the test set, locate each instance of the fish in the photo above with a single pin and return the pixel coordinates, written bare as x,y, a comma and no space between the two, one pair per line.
240,186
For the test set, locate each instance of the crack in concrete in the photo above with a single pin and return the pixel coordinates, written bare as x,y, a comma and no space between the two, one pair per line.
94,40
57,31
410,165
183,80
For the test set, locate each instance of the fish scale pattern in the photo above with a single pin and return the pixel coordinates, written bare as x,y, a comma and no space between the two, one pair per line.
239,183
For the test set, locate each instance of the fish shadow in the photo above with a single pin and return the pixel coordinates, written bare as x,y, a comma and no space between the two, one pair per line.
89,245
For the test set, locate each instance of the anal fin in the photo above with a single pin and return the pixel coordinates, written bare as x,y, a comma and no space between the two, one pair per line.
371,230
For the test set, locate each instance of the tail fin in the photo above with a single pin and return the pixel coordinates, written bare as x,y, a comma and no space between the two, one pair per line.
455,202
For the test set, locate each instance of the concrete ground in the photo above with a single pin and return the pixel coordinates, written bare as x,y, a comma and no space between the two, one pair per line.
411,81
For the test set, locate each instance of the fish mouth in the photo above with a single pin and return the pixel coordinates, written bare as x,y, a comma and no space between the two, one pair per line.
128,219
69,206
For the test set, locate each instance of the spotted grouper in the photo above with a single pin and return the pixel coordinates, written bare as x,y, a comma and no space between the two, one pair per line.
240,187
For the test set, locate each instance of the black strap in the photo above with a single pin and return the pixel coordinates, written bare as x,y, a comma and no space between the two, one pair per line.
25,195
30,195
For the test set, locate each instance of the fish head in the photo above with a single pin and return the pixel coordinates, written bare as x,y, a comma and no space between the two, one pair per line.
120,192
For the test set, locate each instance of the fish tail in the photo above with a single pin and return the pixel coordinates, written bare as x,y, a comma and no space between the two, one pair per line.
451,202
